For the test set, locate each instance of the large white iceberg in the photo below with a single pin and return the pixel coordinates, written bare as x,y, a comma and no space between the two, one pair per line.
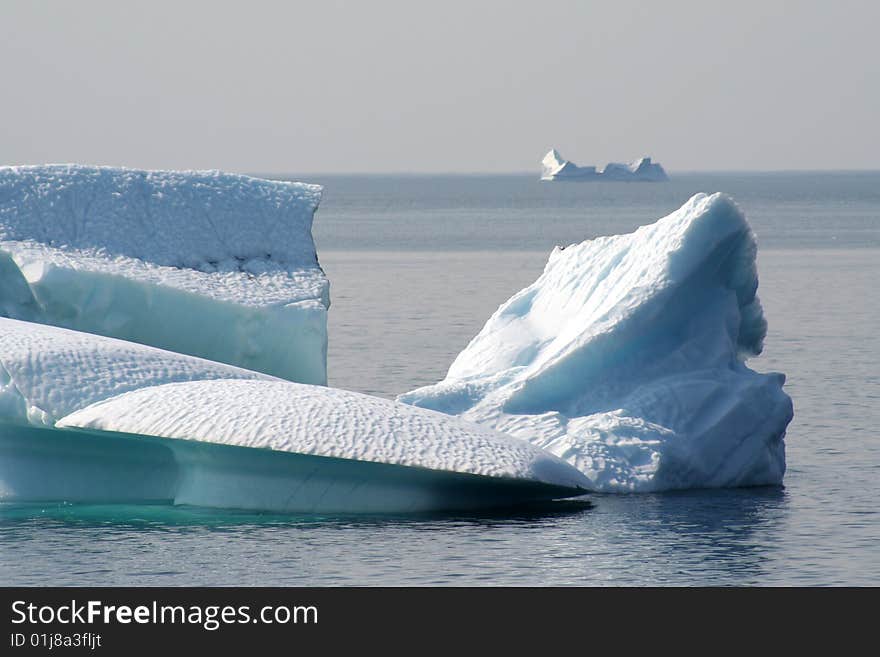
204,263
85,418
622,368
627,359
556,167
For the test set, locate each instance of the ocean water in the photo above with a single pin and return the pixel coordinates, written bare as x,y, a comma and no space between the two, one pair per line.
417,264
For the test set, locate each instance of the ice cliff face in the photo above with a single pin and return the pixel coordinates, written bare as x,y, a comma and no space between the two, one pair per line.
627,359
555,167
204,263
85,418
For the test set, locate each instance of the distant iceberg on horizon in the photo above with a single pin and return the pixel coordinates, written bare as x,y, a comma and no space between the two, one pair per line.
556,167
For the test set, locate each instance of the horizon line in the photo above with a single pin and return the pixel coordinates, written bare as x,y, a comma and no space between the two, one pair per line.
537,174
513,172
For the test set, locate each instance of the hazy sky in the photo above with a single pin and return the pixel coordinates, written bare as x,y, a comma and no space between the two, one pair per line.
440,86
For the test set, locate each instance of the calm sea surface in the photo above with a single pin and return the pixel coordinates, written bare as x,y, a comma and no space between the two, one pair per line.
417,264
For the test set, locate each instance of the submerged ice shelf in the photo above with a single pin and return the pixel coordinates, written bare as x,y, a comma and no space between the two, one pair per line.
205,263
627,359
85,418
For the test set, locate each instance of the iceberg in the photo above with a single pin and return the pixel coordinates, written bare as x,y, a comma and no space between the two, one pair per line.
208,264
86,418
555,167
163,338
627,358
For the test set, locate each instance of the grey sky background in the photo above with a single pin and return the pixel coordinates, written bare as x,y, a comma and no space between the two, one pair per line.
440,86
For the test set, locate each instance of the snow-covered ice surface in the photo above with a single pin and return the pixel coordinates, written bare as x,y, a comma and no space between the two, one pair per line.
47,373
556,167
94,419
627,359
204,263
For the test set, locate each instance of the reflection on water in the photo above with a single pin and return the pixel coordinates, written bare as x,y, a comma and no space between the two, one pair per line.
717,537
707,536
160,515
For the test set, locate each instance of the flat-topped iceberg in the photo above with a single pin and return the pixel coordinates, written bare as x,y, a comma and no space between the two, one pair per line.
85,418
555,167
627,359
204,263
